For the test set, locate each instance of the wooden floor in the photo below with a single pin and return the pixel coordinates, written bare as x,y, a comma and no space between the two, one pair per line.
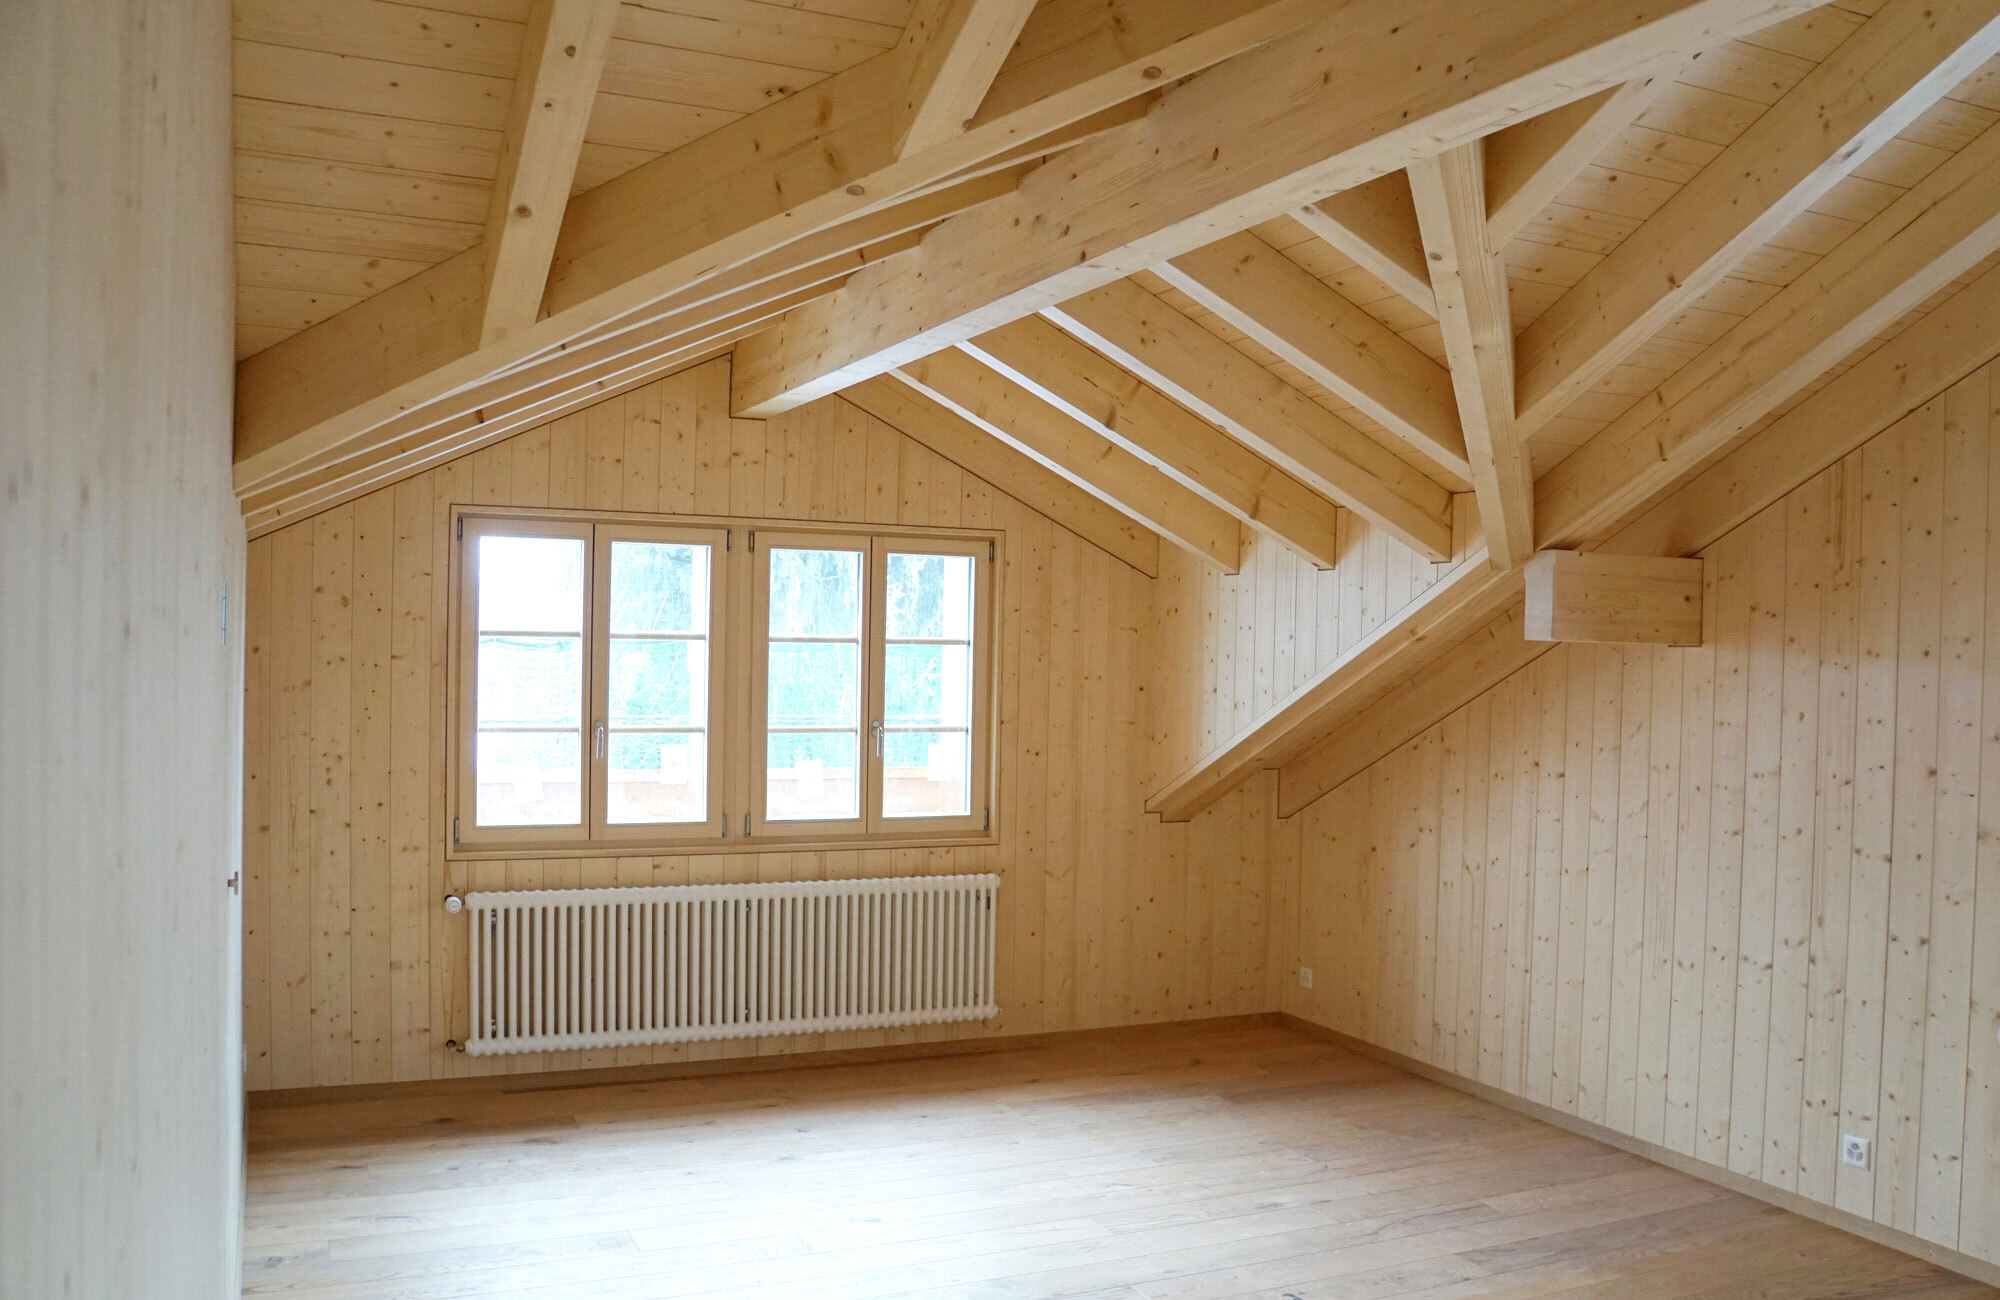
1235,1159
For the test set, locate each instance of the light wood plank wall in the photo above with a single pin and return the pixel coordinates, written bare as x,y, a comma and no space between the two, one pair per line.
1232,645
121,1102
1733,900
355,974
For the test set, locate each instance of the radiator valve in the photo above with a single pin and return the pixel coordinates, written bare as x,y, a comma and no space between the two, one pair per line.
454,904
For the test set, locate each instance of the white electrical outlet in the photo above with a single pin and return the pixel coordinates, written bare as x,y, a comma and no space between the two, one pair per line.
1305,977
1854,1150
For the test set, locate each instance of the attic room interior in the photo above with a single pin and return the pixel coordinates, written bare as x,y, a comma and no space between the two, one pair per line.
1007,649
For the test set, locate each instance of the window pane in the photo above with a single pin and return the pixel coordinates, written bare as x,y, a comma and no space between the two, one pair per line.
531,584
815,593
811,776
529,778
530,681
927,684
926,774
659,587
814,684
930,596
657,778
659,683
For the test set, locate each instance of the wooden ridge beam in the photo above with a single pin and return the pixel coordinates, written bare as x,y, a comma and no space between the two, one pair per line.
1079,454
1103,395
951,51
917,417
1283,307
1469,277
562,59
1154,341
809,161
1874,84
1953,340
1375,226
1368,88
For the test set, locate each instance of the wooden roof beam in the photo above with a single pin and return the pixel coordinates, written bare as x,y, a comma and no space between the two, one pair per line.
562,59
1874,84
1528,163
1286,309
951,51
1361,92
1470,280
1174,354
1092,388
1056,440
1375,226
782,174
921,418
1942,228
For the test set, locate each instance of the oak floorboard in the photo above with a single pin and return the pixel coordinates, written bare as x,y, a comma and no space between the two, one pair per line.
1235,1158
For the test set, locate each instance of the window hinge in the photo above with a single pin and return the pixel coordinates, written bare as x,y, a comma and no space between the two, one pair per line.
454,830
992,552
461,528
725,826
729,539
987,825
753,540
746,826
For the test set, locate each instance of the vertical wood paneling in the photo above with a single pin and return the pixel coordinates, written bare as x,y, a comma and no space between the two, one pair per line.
1739,898
358,975
123,816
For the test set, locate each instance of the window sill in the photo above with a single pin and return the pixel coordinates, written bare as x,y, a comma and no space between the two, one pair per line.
704,848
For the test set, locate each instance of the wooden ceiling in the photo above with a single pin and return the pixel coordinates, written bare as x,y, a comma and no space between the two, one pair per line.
1224,263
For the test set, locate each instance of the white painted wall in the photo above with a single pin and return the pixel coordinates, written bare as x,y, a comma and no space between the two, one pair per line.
120,724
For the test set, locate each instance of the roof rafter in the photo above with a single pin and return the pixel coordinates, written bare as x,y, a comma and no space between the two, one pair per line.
1080,454
1912,369
806,162
1183,360
1528,163
951,51
1937,231
1361,92
562,59
921,418
1874,84
1111,400
1375,226
1335,343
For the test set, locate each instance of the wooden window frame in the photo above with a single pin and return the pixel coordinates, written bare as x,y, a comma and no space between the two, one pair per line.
738,661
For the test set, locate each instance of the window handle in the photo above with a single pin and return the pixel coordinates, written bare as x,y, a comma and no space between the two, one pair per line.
597,741
877,728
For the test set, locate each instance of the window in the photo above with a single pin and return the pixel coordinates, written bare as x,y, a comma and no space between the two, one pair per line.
623,685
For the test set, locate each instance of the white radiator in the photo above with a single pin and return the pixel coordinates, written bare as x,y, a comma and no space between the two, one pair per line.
560,968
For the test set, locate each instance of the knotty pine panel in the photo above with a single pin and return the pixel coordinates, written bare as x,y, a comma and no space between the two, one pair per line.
357,975
1734,899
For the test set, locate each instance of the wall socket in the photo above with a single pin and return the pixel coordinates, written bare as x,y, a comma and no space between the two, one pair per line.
1305,977
1854,1150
